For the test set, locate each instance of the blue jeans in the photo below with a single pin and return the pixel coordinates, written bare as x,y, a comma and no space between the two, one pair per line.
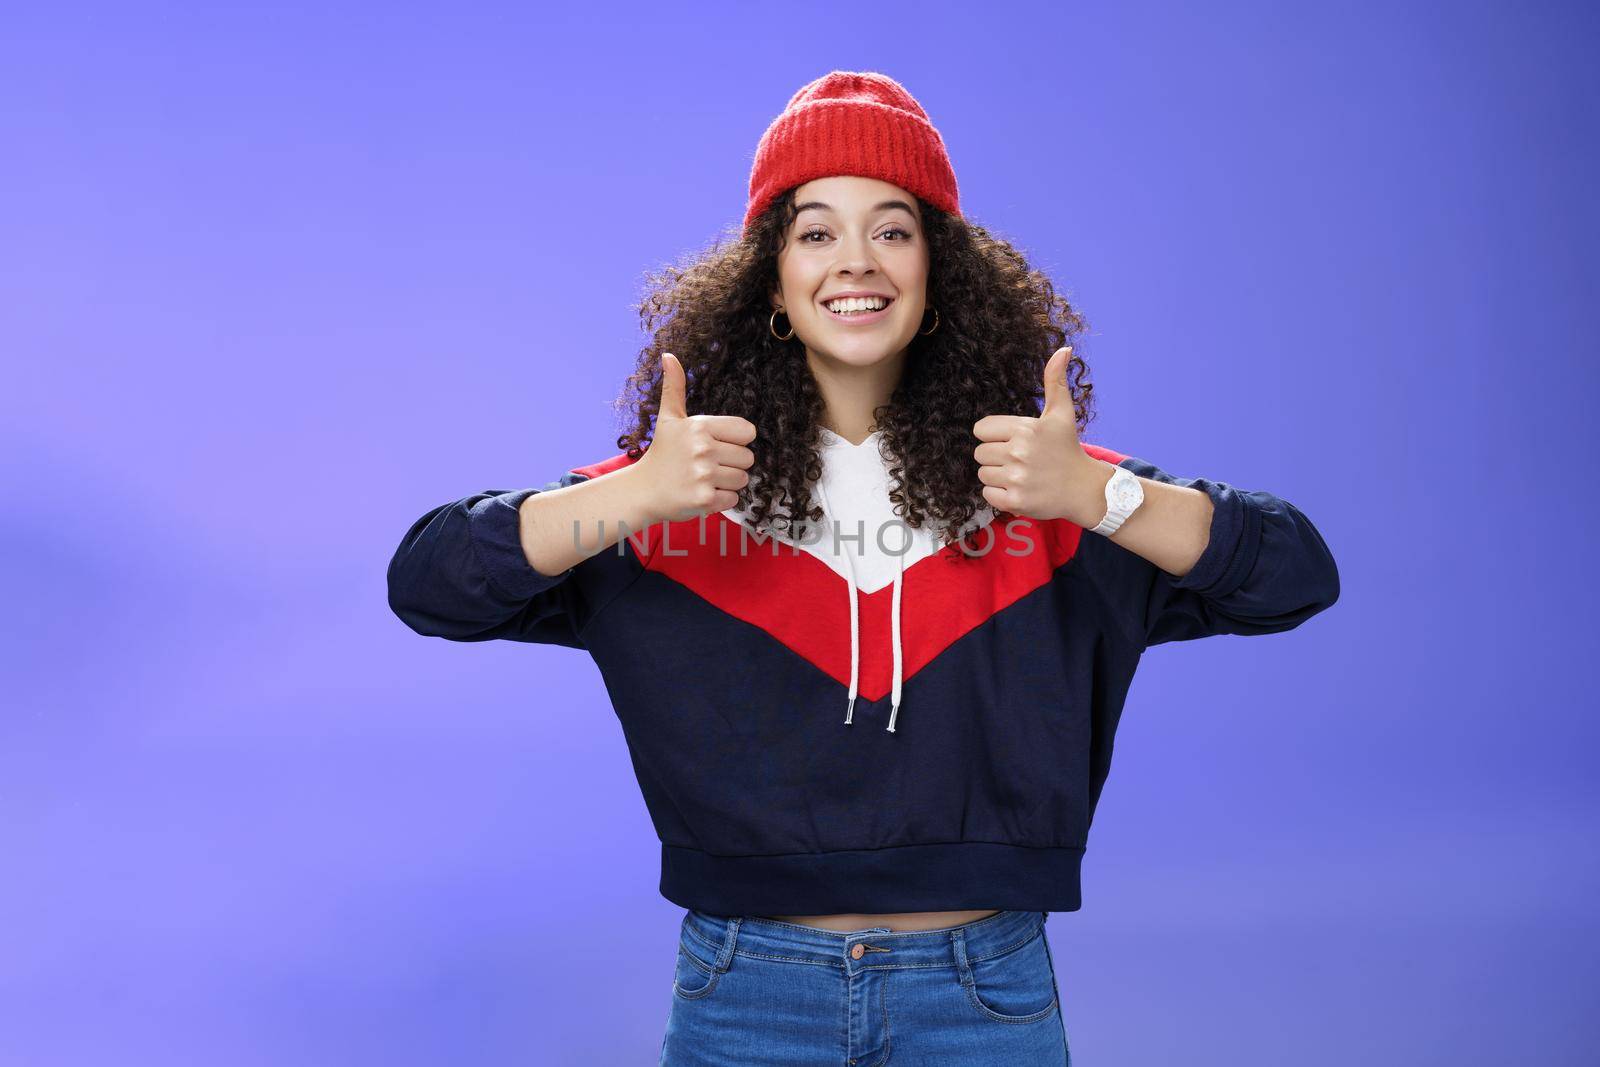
758,991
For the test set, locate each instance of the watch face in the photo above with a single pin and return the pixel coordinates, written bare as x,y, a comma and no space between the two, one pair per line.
1127,493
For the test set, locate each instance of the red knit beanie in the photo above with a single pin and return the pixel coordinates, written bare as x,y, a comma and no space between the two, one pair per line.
852,122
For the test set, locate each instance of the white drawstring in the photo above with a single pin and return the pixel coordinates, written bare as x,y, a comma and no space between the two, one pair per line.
855,620
894,625
855,626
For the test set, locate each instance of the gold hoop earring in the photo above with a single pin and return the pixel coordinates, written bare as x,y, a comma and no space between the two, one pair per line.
924,333
772,326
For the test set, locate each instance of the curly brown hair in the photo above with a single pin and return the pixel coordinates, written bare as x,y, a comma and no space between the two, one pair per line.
999,321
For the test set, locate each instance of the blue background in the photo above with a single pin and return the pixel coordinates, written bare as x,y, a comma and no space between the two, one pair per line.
278,280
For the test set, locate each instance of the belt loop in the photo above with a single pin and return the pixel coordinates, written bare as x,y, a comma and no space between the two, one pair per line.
958,940
729,939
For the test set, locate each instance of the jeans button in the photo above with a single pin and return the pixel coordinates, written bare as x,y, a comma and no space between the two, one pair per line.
855,953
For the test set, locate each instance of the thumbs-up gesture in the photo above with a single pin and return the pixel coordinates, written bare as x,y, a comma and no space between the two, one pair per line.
695,464
1036,467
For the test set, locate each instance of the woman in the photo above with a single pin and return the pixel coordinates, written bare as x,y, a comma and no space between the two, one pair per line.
866,609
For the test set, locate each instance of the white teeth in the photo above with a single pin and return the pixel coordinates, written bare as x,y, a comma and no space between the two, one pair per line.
857,303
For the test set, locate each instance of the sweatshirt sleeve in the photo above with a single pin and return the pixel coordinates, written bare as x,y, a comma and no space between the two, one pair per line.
1264,570
460,573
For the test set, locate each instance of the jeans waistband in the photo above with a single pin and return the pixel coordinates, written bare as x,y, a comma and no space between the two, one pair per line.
725,936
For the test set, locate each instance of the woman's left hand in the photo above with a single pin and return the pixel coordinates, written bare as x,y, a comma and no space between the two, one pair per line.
1036,467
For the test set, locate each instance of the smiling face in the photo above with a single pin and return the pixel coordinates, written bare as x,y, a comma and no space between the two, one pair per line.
853,235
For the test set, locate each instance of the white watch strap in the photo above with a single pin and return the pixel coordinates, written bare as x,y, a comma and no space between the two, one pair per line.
1108,525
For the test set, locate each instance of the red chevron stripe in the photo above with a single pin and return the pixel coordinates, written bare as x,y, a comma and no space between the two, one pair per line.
801,601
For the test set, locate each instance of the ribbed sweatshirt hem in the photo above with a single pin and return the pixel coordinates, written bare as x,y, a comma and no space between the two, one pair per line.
945,877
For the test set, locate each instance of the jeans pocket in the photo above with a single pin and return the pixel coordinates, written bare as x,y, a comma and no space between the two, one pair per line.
695,977
1017,986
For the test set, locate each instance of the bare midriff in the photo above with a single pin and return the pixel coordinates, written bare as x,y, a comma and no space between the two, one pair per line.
895,921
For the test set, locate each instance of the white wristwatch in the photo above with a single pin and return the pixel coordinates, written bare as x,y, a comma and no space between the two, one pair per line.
1123,495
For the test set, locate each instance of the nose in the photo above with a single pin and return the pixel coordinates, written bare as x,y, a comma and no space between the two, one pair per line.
855,256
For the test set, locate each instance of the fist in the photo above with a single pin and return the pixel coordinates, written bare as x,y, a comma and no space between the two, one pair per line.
1036,467
696,464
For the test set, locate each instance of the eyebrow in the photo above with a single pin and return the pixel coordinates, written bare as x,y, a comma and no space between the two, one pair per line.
881,206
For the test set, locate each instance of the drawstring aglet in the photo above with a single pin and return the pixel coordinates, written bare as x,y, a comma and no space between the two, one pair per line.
893,711
849,710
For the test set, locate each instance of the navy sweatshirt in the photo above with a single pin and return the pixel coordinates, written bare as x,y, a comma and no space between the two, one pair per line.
816,730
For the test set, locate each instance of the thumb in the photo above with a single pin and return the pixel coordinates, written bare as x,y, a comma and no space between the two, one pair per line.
673,388
1057,395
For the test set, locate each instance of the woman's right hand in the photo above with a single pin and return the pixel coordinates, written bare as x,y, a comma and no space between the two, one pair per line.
695,464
